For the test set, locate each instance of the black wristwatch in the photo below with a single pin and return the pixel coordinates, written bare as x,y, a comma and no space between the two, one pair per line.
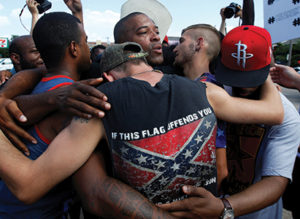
228,210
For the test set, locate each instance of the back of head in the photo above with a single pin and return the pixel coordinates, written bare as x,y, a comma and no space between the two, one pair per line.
96,51
121,28
118,54
211,36
53,33
246,57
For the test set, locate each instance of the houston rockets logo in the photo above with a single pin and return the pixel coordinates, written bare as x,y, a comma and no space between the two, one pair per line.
241,54
158,166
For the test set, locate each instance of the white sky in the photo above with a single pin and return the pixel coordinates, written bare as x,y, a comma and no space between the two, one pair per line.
100,16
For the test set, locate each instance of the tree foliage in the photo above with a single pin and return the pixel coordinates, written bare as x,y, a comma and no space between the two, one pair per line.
281,52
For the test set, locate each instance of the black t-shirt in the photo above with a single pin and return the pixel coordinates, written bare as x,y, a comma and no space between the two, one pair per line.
161,137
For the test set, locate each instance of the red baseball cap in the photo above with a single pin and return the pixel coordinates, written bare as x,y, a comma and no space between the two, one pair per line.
245,57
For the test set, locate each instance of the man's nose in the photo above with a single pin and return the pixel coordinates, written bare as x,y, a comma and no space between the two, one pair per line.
154,36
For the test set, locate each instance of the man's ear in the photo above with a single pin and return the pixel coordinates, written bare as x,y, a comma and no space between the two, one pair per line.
15,58
199,43
108,77
73,48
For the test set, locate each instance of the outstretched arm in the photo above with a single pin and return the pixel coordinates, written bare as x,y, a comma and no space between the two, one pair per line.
108,197
267,110
29,180
285,76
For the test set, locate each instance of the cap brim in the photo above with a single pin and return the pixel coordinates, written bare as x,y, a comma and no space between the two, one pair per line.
153,9
245,79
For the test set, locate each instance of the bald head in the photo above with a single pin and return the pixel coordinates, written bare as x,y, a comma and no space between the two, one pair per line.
24,54
139,28
17,44
121,28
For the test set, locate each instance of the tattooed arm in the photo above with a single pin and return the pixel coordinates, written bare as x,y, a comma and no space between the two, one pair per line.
108,197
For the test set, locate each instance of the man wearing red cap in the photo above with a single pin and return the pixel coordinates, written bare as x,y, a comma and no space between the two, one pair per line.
260,158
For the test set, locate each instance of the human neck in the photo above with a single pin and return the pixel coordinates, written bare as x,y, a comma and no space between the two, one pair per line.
146,73
18,68
195,68
68,71
139,69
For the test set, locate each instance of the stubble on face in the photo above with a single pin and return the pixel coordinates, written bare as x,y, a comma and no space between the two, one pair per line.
184,51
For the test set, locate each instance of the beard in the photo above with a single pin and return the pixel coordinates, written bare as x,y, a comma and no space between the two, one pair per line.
185,55
154,59
27,65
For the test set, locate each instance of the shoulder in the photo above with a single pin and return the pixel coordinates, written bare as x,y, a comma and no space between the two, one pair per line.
52,82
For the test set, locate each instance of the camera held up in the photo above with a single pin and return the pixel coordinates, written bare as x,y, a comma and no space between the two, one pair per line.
231,10
44,5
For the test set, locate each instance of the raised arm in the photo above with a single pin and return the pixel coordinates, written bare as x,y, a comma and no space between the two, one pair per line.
267,110
223,22
105,196
32,7
30,180
248,12
75,7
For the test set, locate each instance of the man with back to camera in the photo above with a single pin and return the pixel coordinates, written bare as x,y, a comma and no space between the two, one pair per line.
151,88
36,107
260,157
66,56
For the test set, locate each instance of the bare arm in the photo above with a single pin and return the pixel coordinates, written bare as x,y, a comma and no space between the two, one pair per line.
285,76
259,195
32,6
203,204
79,99
28,109
108,197
267,110
223,22
30,180
248,12
22,82
75,7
